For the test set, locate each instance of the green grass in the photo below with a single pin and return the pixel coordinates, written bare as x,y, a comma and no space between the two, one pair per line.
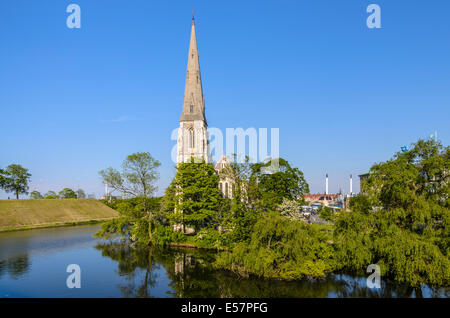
29,214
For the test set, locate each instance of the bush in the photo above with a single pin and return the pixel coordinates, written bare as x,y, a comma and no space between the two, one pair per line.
163,235
282,248
211,239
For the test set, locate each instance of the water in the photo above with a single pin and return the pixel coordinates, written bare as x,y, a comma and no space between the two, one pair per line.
33,264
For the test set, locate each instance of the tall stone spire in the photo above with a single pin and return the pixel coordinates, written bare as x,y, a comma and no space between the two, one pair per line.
193,101
193,135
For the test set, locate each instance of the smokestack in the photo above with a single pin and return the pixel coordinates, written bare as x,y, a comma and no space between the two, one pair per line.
326,184
351,185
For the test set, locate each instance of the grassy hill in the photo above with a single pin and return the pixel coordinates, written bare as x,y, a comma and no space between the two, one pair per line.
27,214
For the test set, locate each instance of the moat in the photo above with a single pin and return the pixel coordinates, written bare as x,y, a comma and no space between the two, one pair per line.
33,264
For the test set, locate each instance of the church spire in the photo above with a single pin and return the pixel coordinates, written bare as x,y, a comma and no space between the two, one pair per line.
193,101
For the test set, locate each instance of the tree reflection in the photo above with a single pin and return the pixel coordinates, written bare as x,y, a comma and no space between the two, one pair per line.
192,275
15,266
131,262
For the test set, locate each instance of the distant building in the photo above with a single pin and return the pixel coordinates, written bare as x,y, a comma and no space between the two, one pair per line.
323,199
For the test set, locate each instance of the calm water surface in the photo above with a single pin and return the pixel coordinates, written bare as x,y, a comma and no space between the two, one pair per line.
33,264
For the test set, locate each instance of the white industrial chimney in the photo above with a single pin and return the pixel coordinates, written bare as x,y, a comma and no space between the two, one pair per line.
326,184
351,185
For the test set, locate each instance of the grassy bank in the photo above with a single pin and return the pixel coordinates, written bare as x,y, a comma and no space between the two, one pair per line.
30,214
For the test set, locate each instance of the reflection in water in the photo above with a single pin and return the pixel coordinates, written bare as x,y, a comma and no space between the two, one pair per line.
15,266
33,264
192,275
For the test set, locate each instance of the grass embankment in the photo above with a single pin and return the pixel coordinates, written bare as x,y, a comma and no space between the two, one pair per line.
30,214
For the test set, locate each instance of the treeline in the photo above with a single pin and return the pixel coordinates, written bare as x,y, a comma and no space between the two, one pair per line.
400,222
65,193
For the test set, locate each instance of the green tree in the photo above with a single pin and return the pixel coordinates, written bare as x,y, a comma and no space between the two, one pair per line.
51,195
36,195
281,248
2,179
16,179
287,182
81,194
197,196
244,207
402,221
136,179
326,213
67,193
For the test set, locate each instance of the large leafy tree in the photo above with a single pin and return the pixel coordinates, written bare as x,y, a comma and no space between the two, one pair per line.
15,179
137,178
36,195
51,195
67,193
287,182
401,222
197,196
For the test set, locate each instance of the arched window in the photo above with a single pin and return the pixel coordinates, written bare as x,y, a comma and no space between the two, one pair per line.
191,108
220,186
226,189
191,138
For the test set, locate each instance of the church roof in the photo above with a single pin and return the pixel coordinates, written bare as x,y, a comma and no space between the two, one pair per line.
223,161
193,101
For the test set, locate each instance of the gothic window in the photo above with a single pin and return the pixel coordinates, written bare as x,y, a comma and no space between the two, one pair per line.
191,109
191,138
226,189
220,186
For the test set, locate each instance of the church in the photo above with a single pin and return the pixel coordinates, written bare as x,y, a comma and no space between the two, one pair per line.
192,134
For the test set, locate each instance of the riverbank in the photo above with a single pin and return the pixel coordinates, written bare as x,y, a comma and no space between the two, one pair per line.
31,214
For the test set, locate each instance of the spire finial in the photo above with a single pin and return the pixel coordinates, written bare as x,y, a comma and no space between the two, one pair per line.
192,15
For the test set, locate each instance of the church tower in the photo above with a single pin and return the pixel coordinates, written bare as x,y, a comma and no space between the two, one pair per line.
192,134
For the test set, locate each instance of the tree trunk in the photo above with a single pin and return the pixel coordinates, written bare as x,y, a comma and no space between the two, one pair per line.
17,195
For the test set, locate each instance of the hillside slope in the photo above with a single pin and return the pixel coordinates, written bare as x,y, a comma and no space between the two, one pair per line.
25,214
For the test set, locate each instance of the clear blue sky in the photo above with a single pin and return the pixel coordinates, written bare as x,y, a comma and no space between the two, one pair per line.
75,101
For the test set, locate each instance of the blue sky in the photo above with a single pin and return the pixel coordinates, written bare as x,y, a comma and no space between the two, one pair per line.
75,101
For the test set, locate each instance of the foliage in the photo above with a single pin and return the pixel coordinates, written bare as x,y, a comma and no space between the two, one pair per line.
15,179
281,248
197,196
326,213
165,235
212,239
81,194
137,176
36,195
244,207
287,182
402,221
360,203
133,221
136,180
51,195
290,209
67,193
